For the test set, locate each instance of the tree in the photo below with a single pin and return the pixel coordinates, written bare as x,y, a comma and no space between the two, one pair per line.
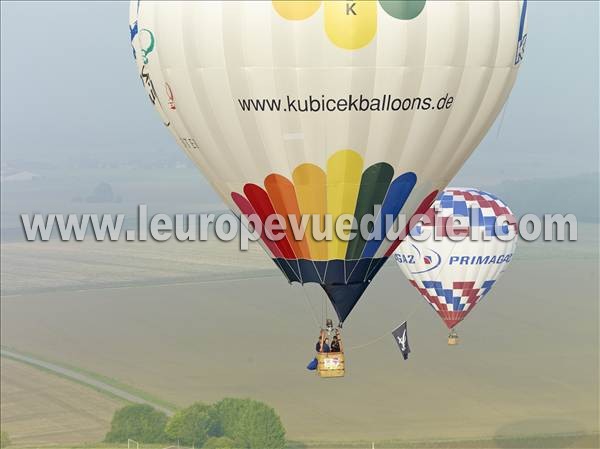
220,443
139,422
4,440
193,425
252,423
229,412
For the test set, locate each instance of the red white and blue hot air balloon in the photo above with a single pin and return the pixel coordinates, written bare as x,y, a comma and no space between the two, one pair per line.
455,256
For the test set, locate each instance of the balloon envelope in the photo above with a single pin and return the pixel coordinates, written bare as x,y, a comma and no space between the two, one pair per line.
466,242
328,108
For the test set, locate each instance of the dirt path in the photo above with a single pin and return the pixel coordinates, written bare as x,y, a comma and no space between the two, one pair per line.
82,378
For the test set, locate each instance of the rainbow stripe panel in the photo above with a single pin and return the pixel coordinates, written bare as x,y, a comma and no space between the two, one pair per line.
349,24
342,266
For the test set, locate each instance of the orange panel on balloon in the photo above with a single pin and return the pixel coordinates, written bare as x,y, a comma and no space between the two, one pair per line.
283,197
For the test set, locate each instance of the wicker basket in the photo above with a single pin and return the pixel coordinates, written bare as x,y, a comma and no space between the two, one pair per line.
331,364
453,340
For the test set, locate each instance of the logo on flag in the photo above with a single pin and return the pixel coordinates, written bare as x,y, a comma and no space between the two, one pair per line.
401,336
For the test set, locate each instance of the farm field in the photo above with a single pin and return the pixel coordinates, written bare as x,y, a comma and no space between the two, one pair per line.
527,363
60,266
40,408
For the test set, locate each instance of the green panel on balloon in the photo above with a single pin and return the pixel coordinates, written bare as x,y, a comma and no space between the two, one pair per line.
403,9
373,186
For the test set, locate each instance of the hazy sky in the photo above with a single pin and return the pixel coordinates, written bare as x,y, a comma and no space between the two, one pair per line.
70,90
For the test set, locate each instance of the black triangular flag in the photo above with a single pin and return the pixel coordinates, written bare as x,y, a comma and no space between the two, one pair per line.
401,336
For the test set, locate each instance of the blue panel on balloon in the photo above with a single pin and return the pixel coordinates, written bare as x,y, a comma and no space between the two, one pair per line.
358,270
336,274
308,271
396,196
289,269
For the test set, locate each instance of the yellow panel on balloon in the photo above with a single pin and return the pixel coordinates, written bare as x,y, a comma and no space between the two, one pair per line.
344,171
296,10
311,190
351,24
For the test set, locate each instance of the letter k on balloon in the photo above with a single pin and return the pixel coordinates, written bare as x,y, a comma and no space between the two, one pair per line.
349,24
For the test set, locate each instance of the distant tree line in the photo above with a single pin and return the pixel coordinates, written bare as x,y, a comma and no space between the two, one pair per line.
227,424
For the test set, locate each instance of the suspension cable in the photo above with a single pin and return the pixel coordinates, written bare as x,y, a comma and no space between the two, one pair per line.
384,335
309,305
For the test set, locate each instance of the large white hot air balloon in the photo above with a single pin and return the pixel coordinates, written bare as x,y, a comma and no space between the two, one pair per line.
328,107
466,241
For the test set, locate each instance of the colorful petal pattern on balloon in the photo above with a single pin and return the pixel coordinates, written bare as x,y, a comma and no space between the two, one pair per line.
349,25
